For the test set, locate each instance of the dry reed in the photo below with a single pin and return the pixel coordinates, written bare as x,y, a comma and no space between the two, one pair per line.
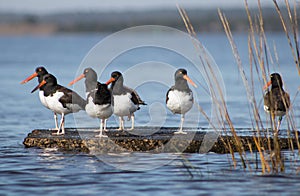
260,58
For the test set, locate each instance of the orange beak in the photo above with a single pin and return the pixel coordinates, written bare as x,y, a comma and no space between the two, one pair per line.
39,86
267,85
29,78
110,81
189,80
76,80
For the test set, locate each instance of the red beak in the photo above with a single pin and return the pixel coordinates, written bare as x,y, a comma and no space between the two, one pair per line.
267,85
189,80
29,78
77,79
39,86
110,81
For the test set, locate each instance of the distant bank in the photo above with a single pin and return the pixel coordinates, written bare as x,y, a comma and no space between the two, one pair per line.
203,21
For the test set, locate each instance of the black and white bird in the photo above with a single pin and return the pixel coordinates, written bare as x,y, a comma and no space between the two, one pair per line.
276,101
179,98
39,73
98,98
125,100
60,100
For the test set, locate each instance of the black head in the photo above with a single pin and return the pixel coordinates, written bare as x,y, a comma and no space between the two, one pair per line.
48,81
181,79
276,80
115,80
90,74
41,71
90,79
180,73
116,75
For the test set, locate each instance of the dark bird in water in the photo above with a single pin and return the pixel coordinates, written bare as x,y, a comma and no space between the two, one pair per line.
276,101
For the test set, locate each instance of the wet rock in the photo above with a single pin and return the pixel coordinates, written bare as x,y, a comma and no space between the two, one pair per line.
144,140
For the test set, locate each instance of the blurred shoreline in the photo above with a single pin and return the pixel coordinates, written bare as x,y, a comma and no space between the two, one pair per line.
204,20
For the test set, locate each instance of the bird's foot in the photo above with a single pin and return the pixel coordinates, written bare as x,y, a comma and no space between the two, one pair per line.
58,133
101,135
120,129
106,130
54,129
180,132
130,129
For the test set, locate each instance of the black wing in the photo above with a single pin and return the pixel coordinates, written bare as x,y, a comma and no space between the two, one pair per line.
167,95
135,98
267,100
70,97
276,102
102,95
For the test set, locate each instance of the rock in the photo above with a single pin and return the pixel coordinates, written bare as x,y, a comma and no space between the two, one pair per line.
142,139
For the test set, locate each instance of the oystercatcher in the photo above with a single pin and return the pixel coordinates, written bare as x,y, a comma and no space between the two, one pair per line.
60,100
98,98
276,101
125,100
39,73
179,98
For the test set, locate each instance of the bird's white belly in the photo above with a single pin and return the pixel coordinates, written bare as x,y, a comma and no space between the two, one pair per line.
123,106
43,99
98,111
179,102
57,107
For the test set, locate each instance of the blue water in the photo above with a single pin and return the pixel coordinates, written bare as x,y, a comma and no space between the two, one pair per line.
48,171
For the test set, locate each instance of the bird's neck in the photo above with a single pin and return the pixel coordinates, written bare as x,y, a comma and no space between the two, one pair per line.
90,85
276,88
182,85
117,87
49,89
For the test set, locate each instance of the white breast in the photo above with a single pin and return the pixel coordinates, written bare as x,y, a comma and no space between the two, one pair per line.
56,106
98,111
43,99
123,106
180,102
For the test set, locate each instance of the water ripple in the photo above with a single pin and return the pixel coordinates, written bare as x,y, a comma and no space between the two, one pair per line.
48,171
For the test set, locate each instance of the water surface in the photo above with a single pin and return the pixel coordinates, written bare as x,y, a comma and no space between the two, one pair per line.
48,171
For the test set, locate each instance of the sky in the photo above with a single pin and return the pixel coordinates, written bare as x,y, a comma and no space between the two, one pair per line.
54,6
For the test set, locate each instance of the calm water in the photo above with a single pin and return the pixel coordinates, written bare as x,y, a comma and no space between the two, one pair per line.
48,171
